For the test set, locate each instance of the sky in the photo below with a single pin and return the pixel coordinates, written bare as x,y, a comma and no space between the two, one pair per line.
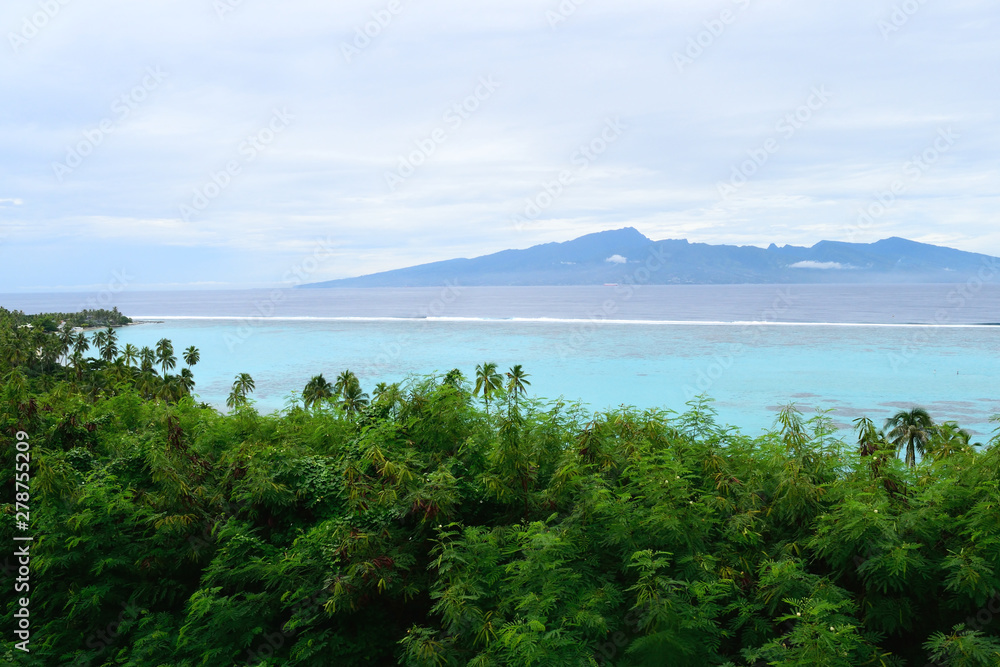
175,144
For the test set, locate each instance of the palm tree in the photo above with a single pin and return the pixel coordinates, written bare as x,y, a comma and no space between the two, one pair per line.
353,399
18,352
869,437
187,380
165,355
78,363
80,344
171,389
191,356
454,378
51,350
318,389
910,429
516,382
948,439
242,386
388,395
147,384
99,341
871,442
488,381
110,349
65,336
146,359
345,381
130,354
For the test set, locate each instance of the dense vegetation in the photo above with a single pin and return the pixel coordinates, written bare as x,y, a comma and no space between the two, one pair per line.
455,522
50,322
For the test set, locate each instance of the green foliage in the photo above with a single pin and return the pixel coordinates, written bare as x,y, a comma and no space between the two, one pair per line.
421,529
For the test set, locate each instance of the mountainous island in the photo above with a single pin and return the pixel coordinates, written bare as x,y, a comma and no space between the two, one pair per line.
614,256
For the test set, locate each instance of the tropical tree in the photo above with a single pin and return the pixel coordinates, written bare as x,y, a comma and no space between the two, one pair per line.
242,387
78,364
191,356
80,344
187,380
345,381
454,378
317,390
65,337
146,359
99,341
165,355
910,430
488,381
352,399
388,395
517,382
871,443
948,439
130,354
110,349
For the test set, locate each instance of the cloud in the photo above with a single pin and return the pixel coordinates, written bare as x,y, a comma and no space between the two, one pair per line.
616,259
559,83
809,264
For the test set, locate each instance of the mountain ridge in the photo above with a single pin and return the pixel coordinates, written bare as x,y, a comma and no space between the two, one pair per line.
612,256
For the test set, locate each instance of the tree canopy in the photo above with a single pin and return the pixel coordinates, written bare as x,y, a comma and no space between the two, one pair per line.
420,529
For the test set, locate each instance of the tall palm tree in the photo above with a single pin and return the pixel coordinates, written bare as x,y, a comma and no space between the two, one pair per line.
517,382
78,364
869,437
17,353
187,380
910,430
242,386
130,354
80,344
171,389
318,389
65,336
455,378
871,443
948,439
51,350
110,349
353,399
165,355
488,381
345,381
388,395
146,359
191,356
99,341
147,384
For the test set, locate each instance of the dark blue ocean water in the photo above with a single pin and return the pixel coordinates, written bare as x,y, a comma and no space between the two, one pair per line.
854,350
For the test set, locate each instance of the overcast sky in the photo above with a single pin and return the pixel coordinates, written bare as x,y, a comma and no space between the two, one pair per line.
227,143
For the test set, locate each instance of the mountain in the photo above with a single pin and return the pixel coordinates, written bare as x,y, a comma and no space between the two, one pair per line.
625,255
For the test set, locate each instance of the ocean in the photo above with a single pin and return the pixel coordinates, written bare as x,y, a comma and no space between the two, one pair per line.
852,350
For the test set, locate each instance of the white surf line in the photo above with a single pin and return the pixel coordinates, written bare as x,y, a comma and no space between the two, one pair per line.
549,320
